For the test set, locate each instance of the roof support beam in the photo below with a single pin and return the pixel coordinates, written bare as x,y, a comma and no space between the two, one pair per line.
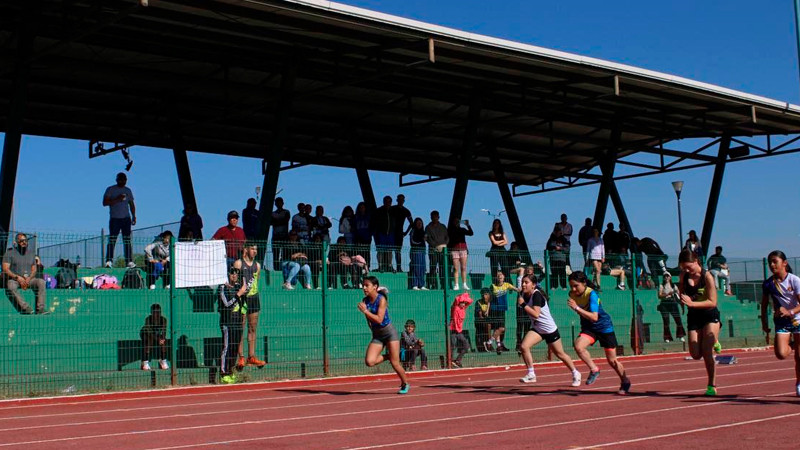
465,161
607,167
276,149
182,167
713,195
363,175
508,203
14,123
616,200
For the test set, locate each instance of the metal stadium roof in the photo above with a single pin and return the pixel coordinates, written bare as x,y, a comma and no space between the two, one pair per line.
398,93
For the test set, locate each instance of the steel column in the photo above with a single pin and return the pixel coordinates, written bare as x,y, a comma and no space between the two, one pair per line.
15,122
713,195
362,174
182,167
620,209
607,168
279,137
508,203
465,162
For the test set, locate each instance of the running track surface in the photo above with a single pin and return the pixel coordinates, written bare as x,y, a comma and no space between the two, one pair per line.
486,408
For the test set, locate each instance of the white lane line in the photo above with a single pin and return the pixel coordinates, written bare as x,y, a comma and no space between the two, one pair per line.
696,430
404,408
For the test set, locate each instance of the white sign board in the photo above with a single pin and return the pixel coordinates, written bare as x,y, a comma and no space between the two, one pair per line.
200,263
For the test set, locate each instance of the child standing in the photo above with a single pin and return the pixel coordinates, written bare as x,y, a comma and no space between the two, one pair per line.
232,308
596,326
483,327
497,311
457,314
413,346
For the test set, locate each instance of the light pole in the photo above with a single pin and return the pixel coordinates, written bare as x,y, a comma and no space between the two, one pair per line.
678,186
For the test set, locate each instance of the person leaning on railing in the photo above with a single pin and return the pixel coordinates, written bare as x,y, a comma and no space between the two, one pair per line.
157,260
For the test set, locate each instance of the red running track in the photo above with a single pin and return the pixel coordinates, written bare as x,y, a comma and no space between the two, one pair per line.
486,408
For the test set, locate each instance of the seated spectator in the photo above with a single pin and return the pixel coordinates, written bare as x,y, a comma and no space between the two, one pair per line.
191,227
516,258
19,273
718,267
316,259
156,260
154,334
250,218
618,267
342,265
413,347
233,236
297,262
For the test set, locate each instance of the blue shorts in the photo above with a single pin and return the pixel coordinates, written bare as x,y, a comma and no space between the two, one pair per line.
785,325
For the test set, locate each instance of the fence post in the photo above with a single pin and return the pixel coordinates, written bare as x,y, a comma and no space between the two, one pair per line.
448,350
172,328
326,367
103,246
635,318
547,271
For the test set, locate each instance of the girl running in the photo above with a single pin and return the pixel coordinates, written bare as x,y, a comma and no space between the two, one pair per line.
543,328
374,306
783,287
595,326
699,294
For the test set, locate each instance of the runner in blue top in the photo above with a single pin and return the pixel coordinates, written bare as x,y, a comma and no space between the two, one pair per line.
783,288
595,326
374,306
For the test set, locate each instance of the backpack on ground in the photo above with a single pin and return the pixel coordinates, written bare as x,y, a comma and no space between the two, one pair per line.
132,279
65,278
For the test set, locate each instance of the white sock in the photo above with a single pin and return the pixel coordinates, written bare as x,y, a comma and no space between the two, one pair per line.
576,373
531,372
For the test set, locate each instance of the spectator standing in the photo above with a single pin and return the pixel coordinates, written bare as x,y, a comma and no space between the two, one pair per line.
584,234
694,245
565,227
381,222
483,326
300,223
497,252
437,238
122,210
417,255
399,215
191,227
668,307
322,224
559,249
250,219
458,312
280,232
295,262
233,236
316,259
156,260
347,226
19,271
597,255
363,232
497,311
231,309
154,334
309,221
718,267
250,271
413,347
623,240
458,250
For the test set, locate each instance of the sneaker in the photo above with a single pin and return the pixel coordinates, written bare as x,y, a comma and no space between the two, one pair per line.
166,287
576,379
456,365
667,340
163,364
424,367
466,287
415,288
412,368
152,286
797,389
423,288
318,288
729,293
488,346
288,286
108,264
620,287
240,363
717,348
131,265
624,387
502,348
683,339
456,287
308,286
228,379
593,376
253,361
404,389
146,365
528,378
26,311
711,391
345,286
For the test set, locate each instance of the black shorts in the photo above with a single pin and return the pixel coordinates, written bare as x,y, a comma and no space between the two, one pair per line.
384,335
607,340
549,337
497,319
253,304
697,319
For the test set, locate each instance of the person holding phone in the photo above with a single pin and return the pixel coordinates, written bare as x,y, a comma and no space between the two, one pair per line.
458,249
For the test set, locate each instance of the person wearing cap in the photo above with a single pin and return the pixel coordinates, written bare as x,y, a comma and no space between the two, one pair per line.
122,211
693,244
233,235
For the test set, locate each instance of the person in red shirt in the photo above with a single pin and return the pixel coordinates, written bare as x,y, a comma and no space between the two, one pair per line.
233,235
457,314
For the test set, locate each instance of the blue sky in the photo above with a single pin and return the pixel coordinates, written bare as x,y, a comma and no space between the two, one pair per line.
736,44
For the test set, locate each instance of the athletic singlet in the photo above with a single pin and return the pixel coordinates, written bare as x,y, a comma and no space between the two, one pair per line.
373,308
698,291
784,293
544,324
249,277
590,301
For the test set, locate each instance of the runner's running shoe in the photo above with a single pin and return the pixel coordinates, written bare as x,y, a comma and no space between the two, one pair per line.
593,376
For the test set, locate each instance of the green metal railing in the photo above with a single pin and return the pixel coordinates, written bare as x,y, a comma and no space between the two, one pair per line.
92,339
